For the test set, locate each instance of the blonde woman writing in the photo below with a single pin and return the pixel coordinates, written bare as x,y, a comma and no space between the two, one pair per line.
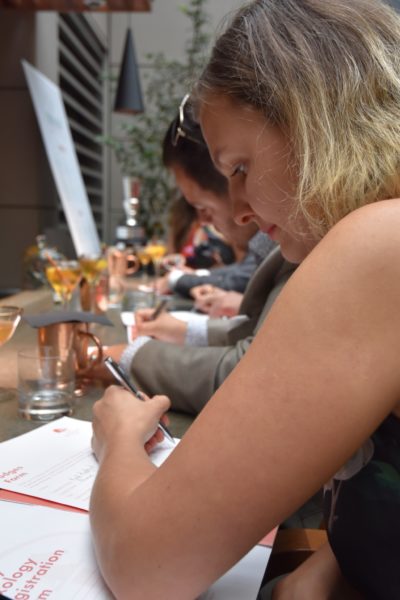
300,108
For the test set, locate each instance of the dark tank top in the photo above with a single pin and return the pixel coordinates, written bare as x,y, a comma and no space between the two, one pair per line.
362,513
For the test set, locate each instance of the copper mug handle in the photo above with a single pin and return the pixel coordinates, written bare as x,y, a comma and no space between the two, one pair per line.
93,361
131,258
118,263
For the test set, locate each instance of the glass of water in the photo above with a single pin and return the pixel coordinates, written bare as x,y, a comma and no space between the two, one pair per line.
46,384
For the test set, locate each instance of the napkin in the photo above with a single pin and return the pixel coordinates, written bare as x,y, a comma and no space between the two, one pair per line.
65,316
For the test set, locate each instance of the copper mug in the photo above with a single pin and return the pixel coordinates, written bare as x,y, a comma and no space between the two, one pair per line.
121,262
72,337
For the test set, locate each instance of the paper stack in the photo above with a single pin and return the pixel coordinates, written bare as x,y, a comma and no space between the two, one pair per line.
46,552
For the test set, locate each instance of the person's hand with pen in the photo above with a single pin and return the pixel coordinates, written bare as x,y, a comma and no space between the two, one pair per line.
165,327
125,421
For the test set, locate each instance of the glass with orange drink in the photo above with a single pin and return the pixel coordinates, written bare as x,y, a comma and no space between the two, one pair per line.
64,276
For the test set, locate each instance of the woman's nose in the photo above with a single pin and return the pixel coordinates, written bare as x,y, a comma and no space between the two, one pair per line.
241,210
205,217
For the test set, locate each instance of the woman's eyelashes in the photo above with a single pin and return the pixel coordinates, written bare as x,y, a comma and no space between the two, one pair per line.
239,169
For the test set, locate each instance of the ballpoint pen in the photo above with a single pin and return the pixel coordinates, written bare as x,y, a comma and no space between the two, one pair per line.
159,308
121,378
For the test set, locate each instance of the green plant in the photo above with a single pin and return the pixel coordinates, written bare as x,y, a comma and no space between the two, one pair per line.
138,151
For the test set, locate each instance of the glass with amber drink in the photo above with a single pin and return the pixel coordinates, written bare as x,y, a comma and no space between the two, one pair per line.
64,276
93,266
143,256
10,316
144,260
156,250
153,252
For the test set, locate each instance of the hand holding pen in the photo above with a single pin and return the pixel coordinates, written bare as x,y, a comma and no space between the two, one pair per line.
165,327
159,309
120,376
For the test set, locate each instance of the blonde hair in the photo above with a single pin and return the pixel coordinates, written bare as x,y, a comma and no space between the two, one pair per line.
328,73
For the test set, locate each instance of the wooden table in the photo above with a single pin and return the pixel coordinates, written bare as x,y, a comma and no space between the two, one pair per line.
25,337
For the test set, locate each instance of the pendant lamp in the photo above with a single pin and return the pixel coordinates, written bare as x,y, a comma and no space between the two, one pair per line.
128,98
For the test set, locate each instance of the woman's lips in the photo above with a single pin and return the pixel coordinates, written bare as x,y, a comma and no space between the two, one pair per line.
271,231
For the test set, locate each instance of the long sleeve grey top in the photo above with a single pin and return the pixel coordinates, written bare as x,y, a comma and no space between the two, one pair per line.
231,277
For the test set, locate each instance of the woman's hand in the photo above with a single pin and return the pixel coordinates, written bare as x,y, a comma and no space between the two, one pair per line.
199,292
162,285
318,578
226,304
216,302
165,327
120,419
173,261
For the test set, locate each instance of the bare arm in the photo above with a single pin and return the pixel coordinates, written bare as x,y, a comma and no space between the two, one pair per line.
316,382
318,577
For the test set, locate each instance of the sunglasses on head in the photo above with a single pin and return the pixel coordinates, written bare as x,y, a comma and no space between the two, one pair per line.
184,125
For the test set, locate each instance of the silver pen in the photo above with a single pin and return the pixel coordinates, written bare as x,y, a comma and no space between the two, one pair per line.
120,376
159,308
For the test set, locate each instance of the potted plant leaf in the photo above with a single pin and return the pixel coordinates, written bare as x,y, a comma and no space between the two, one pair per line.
138,149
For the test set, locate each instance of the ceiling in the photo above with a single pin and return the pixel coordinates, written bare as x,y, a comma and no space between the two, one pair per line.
78,5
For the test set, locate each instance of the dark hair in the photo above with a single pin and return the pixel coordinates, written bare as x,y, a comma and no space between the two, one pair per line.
182,215
194,158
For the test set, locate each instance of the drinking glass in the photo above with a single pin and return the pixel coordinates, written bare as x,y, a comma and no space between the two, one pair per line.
92,266
10,316
157,249
120,263
143,256
144,259
153,252
46,383
64,276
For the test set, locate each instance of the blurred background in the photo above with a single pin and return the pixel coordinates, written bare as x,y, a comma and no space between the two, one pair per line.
81,51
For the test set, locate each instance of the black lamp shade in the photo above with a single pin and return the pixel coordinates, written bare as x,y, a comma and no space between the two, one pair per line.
129,94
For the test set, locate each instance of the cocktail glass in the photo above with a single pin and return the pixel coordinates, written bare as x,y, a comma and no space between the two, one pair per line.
92,266
64,276
144,259
10,316
156,249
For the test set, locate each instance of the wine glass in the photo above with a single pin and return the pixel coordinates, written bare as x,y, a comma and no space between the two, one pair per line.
157,249
10,316
92,266
64,276
144,259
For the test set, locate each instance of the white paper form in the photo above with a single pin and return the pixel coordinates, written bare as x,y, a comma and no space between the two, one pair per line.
243,580
55,462
128,319
47,553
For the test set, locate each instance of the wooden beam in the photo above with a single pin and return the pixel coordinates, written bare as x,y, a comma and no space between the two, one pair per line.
78,5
